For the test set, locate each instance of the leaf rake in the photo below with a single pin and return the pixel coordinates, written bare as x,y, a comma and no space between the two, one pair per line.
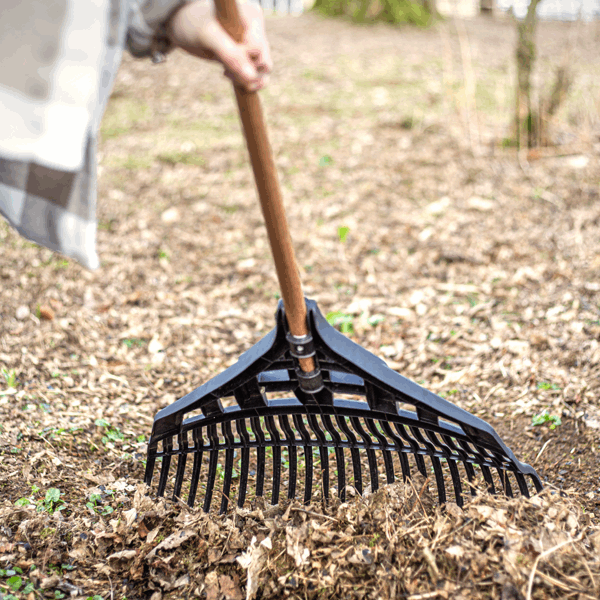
307,398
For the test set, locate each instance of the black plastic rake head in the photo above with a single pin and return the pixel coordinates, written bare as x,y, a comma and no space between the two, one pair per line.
359,417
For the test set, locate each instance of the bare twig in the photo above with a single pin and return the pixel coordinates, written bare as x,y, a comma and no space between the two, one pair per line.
540,452
314,514
418,495
470,87
542,556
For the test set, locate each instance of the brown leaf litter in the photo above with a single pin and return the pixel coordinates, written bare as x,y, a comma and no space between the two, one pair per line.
390,544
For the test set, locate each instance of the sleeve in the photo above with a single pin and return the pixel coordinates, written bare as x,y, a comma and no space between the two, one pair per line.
146,32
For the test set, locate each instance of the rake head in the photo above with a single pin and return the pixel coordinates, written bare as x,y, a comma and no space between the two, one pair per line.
246,423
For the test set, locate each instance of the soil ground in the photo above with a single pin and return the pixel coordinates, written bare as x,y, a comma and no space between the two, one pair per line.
468,266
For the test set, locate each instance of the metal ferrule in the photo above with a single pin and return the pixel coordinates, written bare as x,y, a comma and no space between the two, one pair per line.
301,347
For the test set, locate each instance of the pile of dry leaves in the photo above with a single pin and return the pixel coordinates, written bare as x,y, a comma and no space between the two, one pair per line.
393,543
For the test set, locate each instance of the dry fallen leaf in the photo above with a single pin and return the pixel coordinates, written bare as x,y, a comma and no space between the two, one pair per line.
229,588
455,551
211,582
295,536
253,560
46,313
122,555
173,541
130,516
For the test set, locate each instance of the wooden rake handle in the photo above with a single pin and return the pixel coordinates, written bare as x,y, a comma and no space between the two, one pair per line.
269,190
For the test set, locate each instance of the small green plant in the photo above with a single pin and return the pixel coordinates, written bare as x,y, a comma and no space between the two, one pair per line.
374,320
14,583
343,232
544,385
342,320
182,158
111,434
135,162
325,161
163,254
509,143
24,502
106,225
10,377
134,342
51,502
472,300
94,504
545,417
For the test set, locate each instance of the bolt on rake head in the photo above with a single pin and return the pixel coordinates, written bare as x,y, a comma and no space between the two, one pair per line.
352,410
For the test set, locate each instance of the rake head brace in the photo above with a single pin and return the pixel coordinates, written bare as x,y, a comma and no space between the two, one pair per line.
352,405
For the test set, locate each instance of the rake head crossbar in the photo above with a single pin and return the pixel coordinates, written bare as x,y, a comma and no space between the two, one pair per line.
370,421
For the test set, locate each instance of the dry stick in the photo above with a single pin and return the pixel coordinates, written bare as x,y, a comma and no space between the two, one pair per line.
425,596
470,86
544,555
418,495
452,533
557,583
314,514
447,74
540,452
589,572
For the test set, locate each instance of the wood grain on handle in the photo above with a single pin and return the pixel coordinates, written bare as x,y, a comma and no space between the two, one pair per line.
269,190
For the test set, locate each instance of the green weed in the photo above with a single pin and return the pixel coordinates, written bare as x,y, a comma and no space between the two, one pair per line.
94,504
50,503
343,232
176,157
374,320
342,320
10,377
545,417
544,385
134,342
111,434
133,162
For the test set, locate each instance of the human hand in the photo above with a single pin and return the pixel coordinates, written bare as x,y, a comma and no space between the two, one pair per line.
195,29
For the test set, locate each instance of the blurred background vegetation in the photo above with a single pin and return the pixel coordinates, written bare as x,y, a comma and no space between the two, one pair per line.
419,12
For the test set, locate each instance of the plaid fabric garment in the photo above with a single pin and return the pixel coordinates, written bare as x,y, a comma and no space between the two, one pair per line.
41,195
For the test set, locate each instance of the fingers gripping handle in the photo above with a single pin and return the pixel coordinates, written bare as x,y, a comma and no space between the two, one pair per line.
269,191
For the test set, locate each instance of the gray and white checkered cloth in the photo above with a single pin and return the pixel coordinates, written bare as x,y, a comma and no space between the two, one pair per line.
58,61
